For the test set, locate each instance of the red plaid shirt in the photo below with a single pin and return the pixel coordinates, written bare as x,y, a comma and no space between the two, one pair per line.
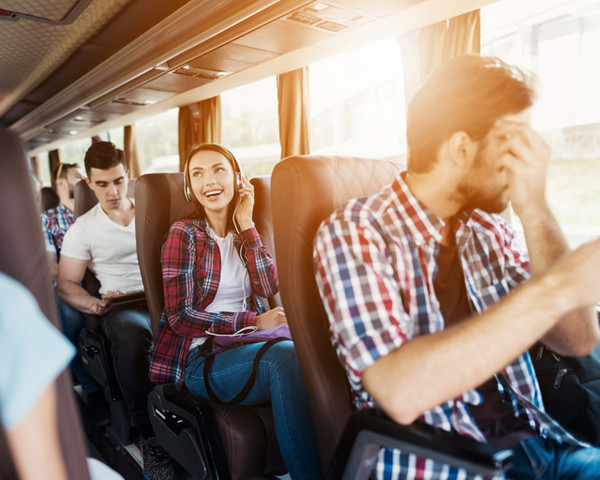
191,270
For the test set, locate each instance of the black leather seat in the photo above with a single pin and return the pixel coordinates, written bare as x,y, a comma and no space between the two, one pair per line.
48,198
23,257
210,440
305,191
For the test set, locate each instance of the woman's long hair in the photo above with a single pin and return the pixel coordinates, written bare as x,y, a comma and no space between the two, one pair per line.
215,147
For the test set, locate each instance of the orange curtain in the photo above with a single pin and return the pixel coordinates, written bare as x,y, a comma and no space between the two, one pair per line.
131,151
292,95
53,161
198,123
459,35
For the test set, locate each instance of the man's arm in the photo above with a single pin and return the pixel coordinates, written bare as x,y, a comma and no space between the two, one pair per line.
38,432
70,274
431,369
526,158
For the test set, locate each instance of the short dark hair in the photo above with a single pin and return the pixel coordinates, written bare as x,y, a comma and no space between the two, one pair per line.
61,171
465,94
103,155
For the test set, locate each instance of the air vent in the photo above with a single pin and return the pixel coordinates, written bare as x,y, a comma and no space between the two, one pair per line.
327,17
131,101
205,73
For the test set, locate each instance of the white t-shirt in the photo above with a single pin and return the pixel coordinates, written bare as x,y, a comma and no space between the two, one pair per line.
109,247
234,283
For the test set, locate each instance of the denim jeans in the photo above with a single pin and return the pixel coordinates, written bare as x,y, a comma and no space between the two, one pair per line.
72,322
130,337
543,458
279,379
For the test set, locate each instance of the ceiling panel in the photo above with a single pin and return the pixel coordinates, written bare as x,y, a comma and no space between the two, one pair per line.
281,36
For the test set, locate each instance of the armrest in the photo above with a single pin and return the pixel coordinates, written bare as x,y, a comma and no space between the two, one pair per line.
369,430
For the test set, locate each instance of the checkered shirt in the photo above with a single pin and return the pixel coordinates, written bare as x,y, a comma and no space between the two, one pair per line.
375,262
55,223
191,270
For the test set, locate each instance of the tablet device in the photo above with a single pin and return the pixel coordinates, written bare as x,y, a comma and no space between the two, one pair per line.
128,299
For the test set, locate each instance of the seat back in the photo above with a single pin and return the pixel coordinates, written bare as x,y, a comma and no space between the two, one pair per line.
48,198
159,202
305,191
85,198
23,257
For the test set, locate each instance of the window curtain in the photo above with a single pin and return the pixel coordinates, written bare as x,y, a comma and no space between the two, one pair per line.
459,35
292,96
53,162
131,151
198,123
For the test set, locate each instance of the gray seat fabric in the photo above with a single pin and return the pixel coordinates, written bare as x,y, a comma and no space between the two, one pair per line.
23,257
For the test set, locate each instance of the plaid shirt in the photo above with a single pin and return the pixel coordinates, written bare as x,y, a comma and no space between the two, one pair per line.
375,265
55,223
191,270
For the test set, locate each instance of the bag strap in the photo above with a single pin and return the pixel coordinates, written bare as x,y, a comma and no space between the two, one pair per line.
240,397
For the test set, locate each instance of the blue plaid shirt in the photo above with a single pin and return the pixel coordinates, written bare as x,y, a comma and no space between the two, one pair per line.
375,263
55,223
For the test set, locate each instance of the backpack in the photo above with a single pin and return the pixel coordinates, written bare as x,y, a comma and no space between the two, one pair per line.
570,389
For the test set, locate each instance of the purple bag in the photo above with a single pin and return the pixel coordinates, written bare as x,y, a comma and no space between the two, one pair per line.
226,342
219,343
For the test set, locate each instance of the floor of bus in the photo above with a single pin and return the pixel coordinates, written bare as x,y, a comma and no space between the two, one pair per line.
125,459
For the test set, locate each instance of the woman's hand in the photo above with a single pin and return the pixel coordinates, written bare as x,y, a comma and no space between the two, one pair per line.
243,213
272,318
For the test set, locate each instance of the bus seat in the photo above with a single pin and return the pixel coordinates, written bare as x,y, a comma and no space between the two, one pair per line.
48,198
92,344
306,190
23,257
209,440
263,219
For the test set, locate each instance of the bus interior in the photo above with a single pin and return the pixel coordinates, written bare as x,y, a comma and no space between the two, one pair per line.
322,84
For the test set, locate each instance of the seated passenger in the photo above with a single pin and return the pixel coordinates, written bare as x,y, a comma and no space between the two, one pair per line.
55,223
214,266
419,280
32,354
103,240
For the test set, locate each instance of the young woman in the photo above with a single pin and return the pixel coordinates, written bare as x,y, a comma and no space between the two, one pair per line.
214,266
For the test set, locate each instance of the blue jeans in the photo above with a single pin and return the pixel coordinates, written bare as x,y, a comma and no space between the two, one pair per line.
279,379
542,458
72,322
130,336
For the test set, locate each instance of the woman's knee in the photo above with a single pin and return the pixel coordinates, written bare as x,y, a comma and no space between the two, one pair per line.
282,356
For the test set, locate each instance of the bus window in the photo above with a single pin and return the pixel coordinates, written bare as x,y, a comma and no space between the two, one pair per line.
250,126
357,102
558,40
157,142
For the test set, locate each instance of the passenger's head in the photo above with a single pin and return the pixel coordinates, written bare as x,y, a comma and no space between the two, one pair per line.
211,181
64,178
102,156
465,94
107,174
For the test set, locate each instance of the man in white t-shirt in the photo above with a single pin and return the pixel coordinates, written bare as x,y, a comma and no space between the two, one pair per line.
103,240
